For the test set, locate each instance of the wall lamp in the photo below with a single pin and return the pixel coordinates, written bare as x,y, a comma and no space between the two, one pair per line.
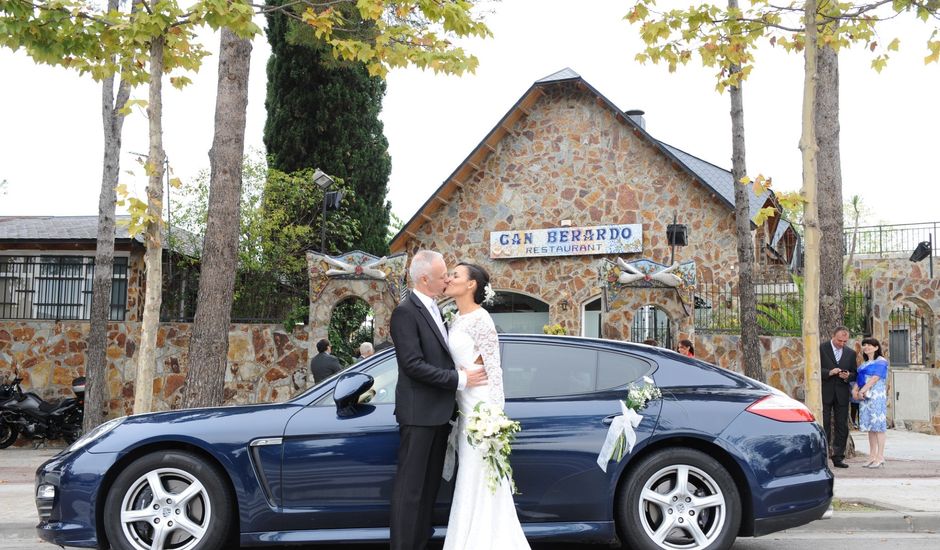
923,250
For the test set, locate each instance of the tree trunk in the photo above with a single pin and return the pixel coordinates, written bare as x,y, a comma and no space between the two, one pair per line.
153,257
856,212
208,347
829,193
808,148
747,300
96,369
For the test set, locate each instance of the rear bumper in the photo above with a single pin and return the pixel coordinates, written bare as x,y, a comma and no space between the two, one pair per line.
765,526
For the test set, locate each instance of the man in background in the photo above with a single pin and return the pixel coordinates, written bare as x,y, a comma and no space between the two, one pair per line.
838,370
366,350
323,365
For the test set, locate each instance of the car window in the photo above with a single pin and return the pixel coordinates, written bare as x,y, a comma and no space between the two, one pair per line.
691,372
544,370
385,373
619,369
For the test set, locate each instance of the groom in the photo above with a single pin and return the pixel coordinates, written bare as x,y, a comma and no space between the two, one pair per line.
424,401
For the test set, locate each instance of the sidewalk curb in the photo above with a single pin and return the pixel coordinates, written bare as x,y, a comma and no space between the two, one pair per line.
884,521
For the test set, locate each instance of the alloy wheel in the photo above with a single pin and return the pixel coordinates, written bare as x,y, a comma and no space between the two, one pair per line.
682,507
165,509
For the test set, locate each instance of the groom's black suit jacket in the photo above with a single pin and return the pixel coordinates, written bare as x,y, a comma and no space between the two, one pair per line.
427,380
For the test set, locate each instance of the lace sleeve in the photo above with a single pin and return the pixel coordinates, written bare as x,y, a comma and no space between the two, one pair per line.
483,332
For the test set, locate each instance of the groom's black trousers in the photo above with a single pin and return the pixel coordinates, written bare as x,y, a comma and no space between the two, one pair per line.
418,478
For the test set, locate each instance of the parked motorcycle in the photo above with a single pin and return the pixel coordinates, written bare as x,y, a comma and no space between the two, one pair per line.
28,414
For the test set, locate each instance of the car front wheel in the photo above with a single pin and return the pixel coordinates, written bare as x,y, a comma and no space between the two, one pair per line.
168,500
679,499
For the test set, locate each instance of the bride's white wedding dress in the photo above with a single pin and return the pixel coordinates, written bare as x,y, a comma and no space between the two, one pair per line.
479,518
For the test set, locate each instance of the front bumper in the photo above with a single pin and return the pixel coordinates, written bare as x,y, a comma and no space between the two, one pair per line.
69,517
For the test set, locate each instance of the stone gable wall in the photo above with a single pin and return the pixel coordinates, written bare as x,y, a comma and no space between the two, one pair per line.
570,158
264,362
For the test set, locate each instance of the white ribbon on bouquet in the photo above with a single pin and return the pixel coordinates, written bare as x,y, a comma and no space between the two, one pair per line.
450,456
621,426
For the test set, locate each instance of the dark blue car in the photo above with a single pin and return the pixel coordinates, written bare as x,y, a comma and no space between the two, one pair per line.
719,456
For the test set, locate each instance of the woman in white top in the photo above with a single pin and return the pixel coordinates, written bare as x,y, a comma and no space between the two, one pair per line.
479,518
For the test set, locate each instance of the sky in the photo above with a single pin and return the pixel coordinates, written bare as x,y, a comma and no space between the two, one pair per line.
51,144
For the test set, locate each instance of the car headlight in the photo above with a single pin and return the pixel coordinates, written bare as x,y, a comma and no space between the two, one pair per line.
96,433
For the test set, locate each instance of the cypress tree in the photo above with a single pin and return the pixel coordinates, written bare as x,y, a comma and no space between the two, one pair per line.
324,113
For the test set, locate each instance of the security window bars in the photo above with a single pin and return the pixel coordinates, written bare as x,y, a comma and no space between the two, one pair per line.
56,287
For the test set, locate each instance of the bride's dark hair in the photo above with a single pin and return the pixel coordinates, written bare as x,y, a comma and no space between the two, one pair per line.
482,278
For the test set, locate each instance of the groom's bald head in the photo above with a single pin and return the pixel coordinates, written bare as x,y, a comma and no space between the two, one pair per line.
428,273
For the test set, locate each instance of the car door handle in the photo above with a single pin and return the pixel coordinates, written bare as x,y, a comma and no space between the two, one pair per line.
608,420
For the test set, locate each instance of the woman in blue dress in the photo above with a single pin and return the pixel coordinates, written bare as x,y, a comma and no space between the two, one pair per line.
873,394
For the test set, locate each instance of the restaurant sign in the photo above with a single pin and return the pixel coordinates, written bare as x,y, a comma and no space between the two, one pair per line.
567,241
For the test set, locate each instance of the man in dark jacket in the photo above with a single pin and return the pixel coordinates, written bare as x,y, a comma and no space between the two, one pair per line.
838,369
323,365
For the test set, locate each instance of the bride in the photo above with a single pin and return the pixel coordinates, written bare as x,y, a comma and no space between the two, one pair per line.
479,518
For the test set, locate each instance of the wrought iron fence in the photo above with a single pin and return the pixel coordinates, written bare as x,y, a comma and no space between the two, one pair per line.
260,297
652,323
883,240
779,308
907,337
56,287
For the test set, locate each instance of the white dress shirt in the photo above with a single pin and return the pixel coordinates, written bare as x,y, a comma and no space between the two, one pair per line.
435,312
837,352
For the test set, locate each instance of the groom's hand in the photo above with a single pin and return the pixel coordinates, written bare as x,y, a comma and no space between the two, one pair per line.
475,377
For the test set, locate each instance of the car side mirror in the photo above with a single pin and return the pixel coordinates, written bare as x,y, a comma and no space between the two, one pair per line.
349,388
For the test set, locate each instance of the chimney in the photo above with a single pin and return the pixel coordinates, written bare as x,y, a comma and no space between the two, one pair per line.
637,116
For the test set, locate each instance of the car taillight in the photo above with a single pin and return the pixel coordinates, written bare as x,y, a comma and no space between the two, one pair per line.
782,408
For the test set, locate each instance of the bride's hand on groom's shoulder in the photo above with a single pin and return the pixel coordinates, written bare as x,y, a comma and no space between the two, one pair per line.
475,377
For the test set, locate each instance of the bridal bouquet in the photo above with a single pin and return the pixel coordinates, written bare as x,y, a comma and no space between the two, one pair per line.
492,432
621,436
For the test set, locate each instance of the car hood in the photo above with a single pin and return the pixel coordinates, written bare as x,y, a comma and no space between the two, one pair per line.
215,426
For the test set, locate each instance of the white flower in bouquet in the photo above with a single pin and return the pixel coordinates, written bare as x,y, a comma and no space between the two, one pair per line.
449,313
491,432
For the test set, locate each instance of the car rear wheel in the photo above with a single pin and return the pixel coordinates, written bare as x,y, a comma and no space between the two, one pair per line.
168,500
8,434
679,499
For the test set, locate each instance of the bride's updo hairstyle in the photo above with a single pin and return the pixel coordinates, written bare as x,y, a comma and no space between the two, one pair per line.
478,274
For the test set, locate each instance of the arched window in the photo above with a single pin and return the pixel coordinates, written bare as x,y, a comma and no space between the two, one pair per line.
652,323
519,313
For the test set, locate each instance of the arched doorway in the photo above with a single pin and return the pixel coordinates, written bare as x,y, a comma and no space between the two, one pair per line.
651,322
352,322
591,318
518,313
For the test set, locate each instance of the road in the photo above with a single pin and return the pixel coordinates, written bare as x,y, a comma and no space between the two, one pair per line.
779,541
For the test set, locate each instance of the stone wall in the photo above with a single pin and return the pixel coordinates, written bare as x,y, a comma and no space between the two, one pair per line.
899,267
571,159
781,357
264,362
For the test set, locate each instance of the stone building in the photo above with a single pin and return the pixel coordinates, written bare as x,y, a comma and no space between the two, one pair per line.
567,202
564,185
